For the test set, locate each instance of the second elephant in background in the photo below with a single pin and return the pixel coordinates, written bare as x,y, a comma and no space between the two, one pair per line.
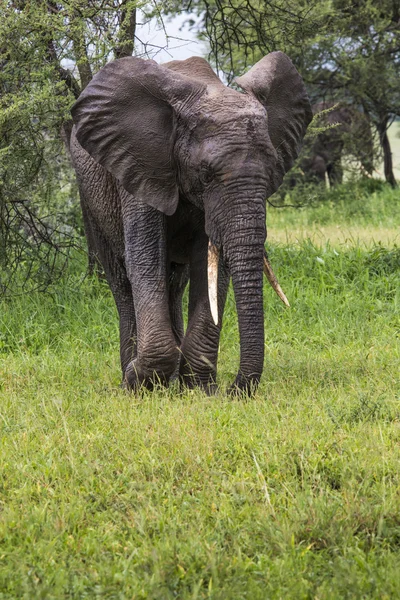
352,137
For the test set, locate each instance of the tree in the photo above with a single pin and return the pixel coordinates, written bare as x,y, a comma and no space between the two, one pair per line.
240,32
346,50
360,61
48,53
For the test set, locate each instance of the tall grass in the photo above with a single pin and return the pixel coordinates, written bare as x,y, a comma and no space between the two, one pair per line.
292,494
357,213
369,202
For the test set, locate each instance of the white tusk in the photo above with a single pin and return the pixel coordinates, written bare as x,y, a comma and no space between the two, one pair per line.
270,275
212,273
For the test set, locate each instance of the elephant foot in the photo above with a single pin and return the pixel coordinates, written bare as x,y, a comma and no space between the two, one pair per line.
175,374
205,381
244,385
210,388
198,371
139,375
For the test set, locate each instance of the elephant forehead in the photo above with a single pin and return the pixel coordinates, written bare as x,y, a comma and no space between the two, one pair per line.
230,115
244,133
225,125
226,105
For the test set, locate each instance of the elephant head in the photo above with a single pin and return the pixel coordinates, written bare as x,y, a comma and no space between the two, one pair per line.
176,131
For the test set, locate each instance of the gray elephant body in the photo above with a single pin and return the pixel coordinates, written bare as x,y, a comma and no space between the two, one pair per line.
169,161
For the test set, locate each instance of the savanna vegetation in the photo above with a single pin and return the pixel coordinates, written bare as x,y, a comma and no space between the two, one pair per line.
294,493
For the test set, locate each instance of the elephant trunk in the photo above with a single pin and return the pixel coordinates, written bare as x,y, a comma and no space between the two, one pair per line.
212,272
245,258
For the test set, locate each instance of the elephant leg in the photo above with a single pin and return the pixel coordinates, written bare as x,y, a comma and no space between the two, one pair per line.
122,293
178,279
318,170
120,286
335,173
146,264
200,345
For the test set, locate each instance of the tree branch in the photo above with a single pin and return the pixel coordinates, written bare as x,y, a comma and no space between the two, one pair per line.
126,39
64,74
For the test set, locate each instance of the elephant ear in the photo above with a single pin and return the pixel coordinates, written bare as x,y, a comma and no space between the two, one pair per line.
124,119
277,85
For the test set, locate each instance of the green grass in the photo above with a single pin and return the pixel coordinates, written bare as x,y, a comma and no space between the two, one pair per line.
292,494
364,213
363,203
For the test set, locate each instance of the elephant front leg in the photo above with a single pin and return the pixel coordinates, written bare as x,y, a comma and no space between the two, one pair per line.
198,365
146,263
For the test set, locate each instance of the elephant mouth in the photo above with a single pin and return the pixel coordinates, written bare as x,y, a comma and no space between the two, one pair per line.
212,273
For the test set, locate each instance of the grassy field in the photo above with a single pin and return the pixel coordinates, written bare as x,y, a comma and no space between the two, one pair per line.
348,216
292,494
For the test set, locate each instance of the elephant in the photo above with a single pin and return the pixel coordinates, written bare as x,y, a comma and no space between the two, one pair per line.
174,169
322,156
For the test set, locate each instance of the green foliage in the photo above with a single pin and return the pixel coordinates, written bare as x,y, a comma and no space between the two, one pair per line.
362,51
347,51
367,196
240,33
48,54
318,124
292,494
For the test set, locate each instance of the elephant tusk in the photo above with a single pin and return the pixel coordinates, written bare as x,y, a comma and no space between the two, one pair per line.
270,275
212,273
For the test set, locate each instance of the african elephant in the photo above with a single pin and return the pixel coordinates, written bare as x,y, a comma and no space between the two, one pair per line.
174,169
322,156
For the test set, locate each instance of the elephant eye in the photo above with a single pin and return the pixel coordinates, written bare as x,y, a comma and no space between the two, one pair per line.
206,172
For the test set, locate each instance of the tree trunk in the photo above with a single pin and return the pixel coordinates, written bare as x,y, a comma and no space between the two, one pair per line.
126,38
387,152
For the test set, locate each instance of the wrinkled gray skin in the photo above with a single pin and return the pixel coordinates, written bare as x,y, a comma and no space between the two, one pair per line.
323,158
168,158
